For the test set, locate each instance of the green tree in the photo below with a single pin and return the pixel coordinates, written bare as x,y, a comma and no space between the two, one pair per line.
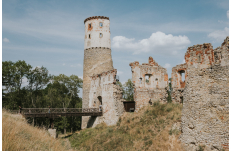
12,78
38,78
128,90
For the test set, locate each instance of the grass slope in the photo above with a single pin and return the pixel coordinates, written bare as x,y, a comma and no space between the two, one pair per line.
149,129
18,135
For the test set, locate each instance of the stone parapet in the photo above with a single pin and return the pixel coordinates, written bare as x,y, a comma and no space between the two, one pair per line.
96,17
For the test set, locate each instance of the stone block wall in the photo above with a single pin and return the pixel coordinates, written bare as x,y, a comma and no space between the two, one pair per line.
104,91
150,83
205,114
178,83
96,61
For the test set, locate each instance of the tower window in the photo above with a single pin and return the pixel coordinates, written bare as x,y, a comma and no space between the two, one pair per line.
100,35
100,24
89,26
89,36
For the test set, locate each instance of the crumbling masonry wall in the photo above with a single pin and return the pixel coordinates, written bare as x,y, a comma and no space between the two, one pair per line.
104,91
150,83
177,83
96,61
205,114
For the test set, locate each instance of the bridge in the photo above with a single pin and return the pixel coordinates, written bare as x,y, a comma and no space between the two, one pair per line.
58,112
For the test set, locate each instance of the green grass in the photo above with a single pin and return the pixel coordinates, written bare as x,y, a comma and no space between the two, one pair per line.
149,129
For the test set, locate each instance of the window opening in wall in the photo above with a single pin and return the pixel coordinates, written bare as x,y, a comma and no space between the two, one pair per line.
156,79
100,35
89,25
150,102
147,78
89,36
140,80
100,24
182,74
100,100
181,99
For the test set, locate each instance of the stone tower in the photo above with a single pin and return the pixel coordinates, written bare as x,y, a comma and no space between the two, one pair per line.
97,54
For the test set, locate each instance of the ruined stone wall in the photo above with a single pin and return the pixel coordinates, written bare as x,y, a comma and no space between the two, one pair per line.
150,83
96,61
177,83
103,90
205,114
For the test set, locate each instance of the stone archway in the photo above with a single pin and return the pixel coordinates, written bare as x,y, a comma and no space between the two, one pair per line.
99,101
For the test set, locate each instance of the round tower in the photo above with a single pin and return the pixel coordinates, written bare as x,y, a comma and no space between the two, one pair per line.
97,54
97,32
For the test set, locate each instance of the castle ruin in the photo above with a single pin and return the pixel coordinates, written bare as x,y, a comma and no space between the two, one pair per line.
205,96
150,83
201,84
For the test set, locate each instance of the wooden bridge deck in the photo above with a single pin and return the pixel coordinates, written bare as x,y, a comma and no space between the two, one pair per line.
58,112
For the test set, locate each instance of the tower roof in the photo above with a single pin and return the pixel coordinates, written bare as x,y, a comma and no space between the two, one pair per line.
95,17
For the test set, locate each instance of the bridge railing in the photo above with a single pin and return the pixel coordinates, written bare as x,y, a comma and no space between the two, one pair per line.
59,110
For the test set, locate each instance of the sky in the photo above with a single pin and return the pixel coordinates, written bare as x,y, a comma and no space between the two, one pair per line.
50,33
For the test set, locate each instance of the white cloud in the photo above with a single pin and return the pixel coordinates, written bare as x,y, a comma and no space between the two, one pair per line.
167,65
158,42
219,35
228,14
6,40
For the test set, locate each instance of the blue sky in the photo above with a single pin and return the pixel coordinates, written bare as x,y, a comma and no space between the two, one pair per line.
50,33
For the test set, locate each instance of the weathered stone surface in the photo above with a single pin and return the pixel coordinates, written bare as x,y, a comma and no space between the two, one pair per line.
177,83
105,92
150,83
205,114
52,133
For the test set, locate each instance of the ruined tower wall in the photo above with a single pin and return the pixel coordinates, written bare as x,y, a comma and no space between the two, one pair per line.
150,82
97,55
205,114
105,91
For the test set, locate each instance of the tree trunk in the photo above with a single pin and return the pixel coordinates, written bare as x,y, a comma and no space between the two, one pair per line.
33,122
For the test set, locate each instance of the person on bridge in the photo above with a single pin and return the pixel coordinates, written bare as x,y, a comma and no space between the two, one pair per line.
49,111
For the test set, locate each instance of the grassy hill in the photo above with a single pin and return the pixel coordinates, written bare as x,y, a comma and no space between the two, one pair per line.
149,129
18,135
